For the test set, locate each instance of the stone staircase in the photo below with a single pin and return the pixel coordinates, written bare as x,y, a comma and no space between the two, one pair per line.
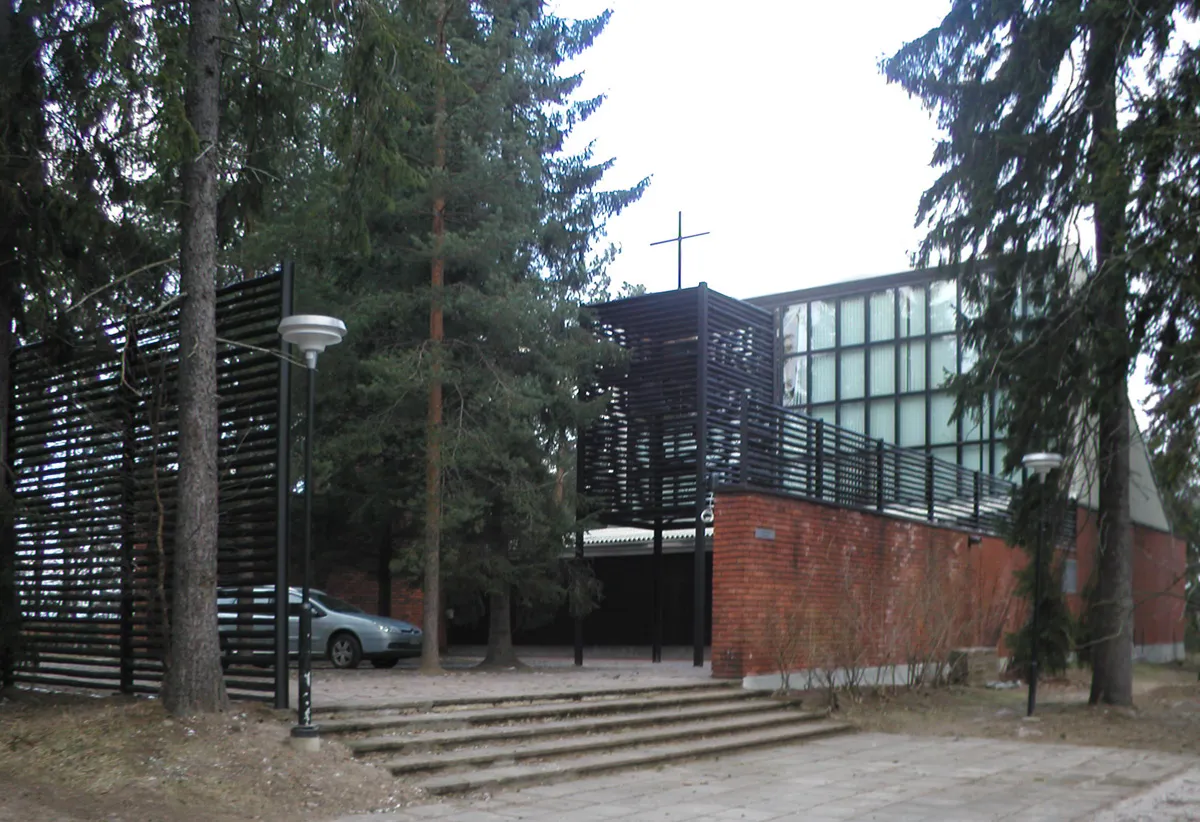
487,743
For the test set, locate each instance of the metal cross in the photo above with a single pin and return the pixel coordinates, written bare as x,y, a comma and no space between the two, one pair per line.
678,239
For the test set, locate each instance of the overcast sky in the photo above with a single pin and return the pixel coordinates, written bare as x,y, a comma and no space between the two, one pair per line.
767,124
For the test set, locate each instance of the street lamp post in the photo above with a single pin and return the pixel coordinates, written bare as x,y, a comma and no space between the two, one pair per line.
1041,464
311,334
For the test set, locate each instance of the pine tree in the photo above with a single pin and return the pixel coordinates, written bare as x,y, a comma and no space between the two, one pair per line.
519,251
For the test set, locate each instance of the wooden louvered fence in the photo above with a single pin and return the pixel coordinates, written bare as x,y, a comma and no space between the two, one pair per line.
93,451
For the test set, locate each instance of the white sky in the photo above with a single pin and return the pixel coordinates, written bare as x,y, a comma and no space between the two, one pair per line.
767,124
770,126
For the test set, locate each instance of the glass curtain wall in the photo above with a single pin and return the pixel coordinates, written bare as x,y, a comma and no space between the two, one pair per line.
878,363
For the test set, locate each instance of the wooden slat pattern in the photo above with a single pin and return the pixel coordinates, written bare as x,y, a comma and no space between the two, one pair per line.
94,433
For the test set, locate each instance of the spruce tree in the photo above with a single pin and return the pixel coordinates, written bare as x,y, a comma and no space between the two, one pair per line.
1027,97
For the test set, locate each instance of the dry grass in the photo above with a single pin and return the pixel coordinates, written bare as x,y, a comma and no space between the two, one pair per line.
1165,717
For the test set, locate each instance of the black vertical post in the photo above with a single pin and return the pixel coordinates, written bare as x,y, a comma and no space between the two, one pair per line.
8,530
818,490
305,726
657,605
977,493
929,485
1037,600
879,497
580,466
679,256
128,503
283,499
579,619
699,577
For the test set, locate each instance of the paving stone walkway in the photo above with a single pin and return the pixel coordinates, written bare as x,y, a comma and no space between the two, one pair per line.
857,777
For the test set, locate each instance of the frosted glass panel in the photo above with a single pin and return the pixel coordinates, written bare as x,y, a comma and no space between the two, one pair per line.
824,325
972,458
912,421
998,468
823,377
941,427
883,315
946,454
795,381
852,321
912,366
912,311
883,370
854,417
853,376
943,360
973,423
943,306
825,412
883,419
795,328
969,357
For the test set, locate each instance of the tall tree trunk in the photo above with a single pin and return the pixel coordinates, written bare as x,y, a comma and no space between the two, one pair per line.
500,651
1111,610
193,681
431,601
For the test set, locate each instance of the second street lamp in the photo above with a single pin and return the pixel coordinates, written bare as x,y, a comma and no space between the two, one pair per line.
312,334
1041,464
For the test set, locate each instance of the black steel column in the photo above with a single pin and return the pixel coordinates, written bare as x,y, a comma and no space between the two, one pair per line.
304,712
579,619
128,502
1037,599
283,499
657,598
579,485
699,599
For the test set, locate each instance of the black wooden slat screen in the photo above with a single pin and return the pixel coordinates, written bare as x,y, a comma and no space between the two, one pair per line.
638,461
93,450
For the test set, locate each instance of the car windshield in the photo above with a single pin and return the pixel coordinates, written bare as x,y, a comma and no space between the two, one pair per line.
335,604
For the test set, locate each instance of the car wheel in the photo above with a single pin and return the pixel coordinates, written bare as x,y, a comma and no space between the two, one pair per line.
345,651
384,663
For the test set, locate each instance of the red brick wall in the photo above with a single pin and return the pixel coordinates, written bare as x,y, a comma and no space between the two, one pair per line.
1159,560
881,588
885,588
362,589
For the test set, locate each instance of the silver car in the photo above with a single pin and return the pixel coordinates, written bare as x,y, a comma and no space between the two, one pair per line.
343,632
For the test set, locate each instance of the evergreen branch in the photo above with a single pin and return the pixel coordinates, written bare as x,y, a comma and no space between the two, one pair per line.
122,279
268,70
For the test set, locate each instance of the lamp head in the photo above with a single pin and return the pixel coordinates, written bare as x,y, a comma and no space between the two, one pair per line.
311,333
1042,462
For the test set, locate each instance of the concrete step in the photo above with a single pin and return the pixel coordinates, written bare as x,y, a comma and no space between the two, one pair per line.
440,740
594,743
451,720
452,703
565,769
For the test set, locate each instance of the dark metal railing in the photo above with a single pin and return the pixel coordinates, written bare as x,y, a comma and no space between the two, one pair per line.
784,450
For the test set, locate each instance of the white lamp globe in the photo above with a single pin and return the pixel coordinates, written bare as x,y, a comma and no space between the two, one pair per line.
311,333
1042,462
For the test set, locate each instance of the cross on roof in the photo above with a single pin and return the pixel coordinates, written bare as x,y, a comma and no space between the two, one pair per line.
678,240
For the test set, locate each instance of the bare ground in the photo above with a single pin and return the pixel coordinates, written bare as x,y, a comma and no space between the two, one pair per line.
1165,716
75,758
